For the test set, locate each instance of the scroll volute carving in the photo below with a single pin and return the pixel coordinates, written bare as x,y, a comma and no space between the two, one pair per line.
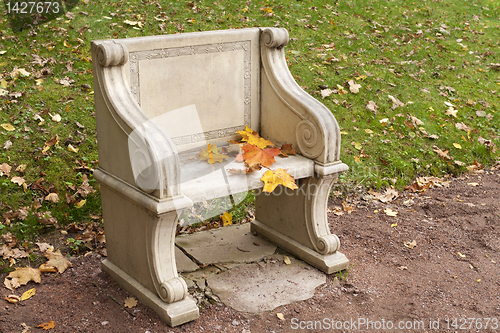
275,37
110,53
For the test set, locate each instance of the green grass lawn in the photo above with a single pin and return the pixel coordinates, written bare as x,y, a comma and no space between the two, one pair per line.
438,60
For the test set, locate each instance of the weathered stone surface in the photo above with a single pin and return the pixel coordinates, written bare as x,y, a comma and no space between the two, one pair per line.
225,245
184,264
262,287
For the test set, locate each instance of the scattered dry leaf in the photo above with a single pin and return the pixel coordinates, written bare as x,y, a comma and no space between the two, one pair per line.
227,219
273,178
411,244
130,302
47,326
8,127
353,86
13,299
390,212
25,275
371,106
28,294
395,102
212,154
5,169
57,260
52,197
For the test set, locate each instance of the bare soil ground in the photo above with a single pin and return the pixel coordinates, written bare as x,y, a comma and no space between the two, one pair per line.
440,262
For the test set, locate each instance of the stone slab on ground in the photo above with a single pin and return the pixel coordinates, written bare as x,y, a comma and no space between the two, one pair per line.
263,286
231,244
183,262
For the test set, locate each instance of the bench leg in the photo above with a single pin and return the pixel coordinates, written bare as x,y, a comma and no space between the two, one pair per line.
141,257
296,220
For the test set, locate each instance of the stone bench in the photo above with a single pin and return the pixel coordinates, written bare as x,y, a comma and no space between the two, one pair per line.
158,101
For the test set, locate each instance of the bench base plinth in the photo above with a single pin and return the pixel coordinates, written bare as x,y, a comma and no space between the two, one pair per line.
173,314
329,263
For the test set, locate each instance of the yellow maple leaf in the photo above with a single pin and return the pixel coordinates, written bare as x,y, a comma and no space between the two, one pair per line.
227,219
254,138
273,178
212,154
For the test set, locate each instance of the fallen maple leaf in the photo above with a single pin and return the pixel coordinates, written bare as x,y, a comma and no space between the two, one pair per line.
253,138
326,92
45,218
212,154
390,212
441,153
47,326
371,106
451,111
49,143
227,219
44,247
462,126
57,260
25,275
130,302
353,86
5,169
273,178
52,197
254,155
18,180
395,102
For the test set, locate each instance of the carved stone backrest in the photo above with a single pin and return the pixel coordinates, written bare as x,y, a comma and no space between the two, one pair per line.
197,87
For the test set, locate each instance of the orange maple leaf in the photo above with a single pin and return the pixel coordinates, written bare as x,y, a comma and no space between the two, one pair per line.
47,326
254,155
273,178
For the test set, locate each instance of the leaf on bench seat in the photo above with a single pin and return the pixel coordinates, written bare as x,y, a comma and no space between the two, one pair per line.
254,155
273,178
287,150
254,138
212,154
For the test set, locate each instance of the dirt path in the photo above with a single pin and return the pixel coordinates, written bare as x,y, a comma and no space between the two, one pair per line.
441,261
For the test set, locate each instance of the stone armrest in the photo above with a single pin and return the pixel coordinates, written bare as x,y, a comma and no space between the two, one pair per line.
291,115
134,148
